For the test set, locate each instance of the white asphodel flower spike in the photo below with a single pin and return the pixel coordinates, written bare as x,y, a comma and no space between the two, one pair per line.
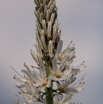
53,63
64,101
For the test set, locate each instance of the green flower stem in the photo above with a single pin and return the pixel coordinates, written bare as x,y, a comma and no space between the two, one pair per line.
48,91
49,95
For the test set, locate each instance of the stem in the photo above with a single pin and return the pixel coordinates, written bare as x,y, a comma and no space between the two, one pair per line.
49,95
48,91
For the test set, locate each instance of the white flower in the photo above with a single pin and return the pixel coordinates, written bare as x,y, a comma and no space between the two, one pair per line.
36,78
66,88
59,73
68,52
64,101
41,79
30,93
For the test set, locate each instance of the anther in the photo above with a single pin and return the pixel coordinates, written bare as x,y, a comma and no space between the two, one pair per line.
84,65
18,86
83,82
13,77
24,63
71,41
32,66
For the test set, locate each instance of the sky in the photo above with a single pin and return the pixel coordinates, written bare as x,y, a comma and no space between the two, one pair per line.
81,21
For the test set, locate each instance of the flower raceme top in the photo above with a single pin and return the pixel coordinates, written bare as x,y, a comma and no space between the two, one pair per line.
53,64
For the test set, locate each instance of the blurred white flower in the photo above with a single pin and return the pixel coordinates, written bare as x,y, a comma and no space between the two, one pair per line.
59,73
64,101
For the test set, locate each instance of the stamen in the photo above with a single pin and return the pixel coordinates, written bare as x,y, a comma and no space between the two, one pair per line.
34,67
69,45
16,72
78,81
81,61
